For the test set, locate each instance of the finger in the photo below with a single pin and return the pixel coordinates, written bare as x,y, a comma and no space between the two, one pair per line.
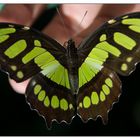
117,10
20,13
19,87
16,13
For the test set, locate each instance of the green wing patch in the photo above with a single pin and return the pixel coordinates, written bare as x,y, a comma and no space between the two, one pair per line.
53,69
92,65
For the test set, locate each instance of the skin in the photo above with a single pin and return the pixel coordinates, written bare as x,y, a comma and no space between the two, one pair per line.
72,15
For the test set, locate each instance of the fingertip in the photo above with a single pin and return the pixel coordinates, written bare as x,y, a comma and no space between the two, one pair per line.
19,87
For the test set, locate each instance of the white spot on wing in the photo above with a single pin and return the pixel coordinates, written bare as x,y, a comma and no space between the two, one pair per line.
125,17
10,25
111,21
26,28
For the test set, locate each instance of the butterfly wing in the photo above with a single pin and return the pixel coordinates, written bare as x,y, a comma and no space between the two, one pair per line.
113,47
96,98
120,38
52,101
19,46
24,52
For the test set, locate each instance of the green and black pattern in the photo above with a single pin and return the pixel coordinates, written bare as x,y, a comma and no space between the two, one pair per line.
78,80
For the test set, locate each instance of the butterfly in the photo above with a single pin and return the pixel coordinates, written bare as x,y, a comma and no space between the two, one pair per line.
74,81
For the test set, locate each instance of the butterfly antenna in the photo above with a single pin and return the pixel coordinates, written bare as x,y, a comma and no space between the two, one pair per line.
78,26
62,21
82,19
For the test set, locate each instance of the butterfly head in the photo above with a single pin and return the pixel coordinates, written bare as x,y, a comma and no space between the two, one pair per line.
69,43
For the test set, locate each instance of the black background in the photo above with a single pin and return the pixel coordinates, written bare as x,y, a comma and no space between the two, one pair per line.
16,118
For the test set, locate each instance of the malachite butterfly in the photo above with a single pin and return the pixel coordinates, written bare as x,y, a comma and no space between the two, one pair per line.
73,81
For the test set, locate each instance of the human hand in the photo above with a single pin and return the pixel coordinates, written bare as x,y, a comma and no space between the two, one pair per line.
72,15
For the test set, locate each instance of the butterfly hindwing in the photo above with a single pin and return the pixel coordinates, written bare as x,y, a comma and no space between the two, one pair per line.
19,46
52,101
96,98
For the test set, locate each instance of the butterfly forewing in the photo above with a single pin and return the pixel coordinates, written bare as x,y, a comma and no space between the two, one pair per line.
120,39
19,46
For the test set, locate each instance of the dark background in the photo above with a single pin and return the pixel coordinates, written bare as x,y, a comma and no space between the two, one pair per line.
16,118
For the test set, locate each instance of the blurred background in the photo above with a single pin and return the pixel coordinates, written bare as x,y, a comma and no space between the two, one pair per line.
16,117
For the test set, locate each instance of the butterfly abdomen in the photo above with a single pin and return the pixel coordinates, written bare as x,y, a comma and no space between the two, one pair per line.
72,63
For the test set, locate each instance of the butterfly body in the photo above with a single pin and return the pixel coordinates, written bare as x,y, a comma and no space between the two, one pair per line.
72,64
77,80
